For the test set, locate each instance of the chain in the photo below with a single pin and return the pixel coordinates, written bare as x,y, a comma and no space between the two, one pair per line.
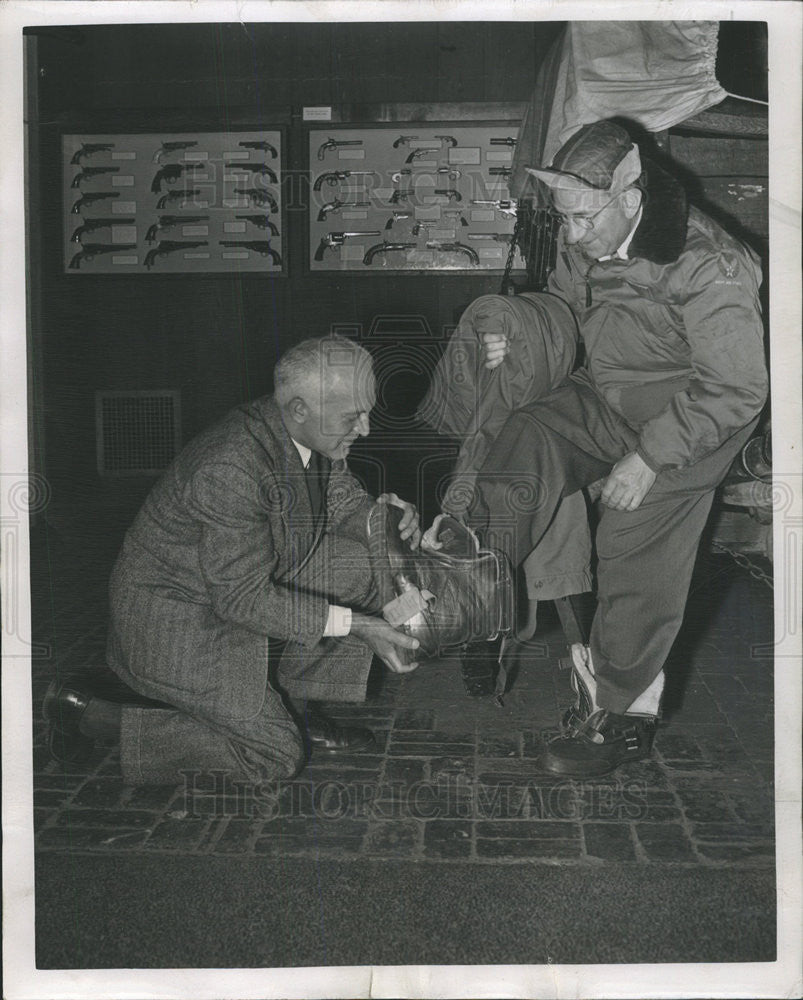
507,284
741,559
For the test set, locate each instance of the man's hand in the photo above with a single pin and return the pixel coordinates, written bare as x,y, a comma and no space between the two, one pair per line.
408,526
384,640
629,482
495,347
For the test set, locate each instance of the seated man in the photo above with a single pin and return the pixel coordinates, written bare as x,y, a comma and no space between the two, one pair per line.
674,380
250,549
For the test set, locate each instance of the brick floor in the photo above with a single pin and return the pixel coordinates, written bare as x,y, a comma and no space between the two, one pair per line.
454,778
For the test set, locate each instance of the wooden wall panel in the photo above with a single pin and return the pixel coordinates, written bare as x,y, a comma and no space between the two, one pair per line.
744,201
708,157
461,62
375,63
729,178
65,72
512,57
311,80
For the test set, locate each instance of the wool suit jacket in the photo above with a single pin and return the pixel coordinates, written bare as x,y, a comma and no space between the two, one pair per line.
215,556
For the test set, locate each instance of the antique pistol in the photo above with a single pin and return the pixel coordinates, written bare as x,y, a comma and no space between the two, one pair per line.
260,197
422,227
507,141
396,217
256,168
451,193
172,147
165,247
455,215
386,247
332,241
90,225
506,207
261,222
448,139
337,205
89,172
168,221
89,199
176,194
334,143
90,250
416,154
496,237
452,172
500,171
261,247
458,247
401,194
334,176
89,149
172,172
403,140
260,144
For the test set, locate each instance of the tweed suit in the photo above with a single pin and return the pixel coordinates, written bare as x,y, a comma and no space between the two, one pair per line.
223,569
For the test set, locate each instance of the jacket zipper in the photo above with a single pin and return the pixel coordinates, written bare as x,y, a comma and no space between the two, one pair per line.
588,284
567,260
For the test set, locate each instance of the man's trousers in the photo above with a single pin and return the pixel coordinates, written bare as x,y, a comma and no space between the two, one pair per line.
551,449
223,680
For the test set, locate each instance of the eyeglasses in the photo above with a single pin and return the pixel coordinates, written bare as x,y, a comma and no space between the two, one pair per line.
583,221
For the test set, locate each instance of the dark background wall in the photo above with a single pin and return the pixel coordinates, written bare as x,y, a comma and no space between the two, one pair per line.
216,338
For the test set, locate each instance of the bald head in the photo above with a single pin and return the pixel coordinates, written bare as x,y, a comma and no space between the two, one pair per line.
325,390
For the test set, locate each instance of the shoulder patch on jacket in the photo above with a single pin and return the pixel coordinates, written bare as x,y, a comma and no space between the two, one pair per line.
728,263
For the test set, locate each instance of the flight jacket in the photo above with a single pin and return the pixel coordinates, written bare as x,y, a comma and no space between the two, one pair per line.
673,335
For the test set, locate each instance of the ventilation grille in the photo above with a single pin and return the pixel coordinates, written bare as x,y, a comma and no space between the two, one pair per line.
138,433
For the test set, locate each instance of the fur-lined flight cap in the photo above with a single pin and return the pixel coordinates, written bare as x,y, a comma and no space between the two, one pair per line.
600,156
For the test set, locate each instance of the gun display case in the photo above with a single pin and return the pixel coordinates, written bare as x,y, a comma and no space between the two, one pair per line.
188,203
411,197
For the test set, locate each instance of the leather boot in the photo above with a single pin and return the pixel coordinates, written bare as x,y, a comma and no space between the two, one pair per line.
599,745
63,706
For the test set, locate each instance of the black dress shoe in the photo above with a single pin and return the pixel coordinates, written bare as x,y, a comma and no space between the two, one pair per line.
597,745
63,706
322,733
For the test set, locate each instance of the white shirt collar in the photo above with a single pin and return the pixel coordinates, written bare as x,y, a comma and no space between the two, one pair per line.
621,253
304,452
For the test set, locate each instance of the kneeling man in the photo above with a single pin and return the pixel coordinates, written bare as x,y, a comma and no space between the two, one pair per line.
249,550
